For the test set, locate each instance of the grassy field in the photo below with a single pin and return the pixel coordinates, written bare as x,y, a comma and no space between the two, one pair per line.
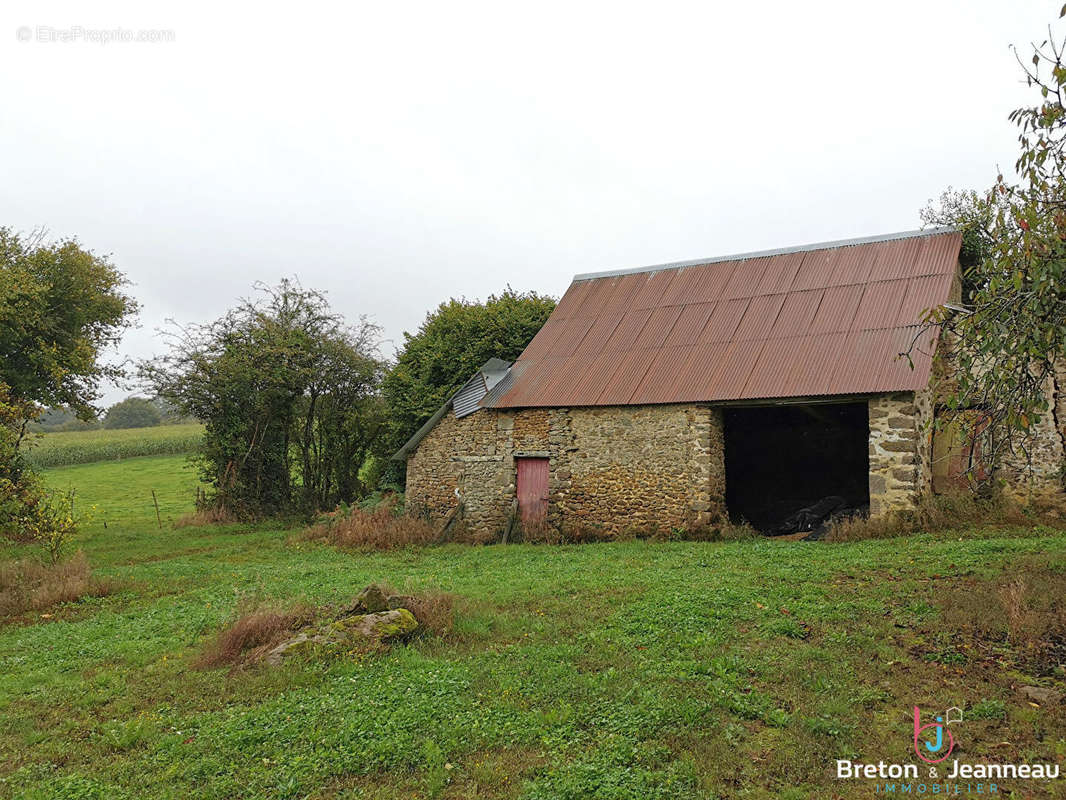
121,491
628,670
82,447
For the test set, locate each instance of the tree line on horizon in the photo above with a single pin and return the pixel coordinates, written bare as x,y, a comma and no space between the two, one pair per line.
131,412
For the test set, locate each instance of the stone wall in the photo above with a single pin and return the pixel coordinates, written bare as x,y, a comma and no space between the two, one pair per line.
642,469
469,456
623,470
898,463
612,470
1035,461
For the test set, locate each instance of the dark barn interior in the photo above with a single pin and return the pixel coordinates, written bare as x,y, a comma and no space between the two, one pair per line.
780,459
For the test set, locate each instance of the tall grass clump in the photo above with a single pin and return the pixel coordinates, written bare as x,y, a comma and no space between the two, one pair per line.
434,609
84,447
27,585
207,515
378,529
256,630
953,511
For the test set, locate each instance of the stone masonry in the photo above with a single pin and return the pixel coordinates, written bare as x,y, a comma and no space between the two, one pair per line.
621,470
1036,460
612,470
897,470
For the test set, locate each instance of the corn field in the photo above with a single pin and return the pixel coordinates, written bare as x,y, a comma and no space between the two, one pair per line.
82,447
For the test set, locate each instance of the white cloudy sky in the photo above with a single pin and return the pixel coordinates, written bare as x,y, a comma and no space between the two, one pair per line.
397,154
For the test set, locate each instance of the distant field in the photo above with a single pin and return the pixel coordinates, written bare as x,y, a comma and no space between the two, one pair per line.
83,447
122,490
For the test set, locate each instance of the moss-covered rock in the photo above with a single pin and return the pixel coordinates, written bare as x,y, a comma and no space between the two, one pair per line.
369,601
355,631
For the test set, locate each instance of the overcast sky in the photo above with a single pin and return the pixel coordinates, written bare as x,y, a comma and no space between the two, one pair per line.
397,154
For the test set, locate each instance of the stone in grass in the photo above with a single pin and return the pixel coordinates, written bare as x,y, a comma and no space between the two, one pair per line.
300,643
400,601
1042,695
369,601
382,626
353,631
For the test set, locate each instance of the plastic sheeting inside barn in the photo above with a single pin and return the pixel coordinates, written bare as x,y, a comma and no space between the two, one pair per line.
780,459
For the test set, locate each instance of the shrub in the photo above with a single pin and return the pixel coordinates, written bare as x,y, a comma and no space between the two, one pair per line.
255,631
28,585
288,392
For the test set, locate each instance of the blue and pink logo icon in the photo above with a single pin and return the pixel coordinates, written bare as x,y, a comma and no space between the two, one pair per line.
935,751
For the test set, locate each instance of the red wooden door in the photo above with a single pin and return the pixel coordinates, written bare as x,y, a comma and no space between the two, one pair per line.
532,489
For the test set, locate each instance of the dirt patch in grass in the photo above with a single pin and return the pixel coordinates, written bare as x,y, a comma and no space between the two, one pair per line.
27,585
975,642
1018,618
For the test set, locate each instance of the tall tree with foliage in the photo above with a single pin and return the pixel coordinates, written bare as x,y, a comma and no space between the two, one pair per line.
288,393
1004,347
452,342
133,412
61,307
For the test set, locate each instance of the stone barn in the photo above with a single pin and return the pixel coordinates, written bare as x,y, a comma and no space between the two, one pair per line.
674,396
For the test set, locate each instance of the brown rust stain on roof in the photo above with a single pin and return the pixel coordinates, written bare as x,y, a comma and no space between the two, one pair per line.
812,321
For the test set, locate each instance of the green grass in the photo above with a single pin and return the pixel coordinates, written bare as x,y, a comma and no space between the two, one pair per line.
615,671
83,447
119,493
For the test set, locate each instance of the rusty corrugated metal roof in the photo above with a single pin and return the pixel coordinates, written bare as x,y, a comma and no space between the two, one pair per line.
826,319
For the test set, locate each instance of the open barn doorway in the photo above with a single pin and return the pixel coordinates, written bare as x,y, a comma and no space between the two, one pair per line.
780,460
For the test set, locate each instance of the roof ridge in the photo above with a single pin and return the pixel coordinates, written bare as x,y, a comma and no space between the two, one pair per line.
804,248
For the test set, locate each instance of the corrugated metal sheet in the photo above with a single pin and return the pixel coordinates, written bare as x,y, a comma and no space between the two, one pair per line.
468,399
815,320
690,324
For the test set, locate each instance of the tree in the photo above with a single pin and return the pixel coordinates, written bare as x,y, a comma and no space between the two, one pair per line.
1002,350
22,496
57,418
452,342
169,413
133,412
61,307
288,395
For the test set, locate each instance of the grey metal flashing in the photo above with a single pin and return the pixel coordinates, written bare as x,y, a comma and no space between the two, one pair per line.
502,386
887,237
